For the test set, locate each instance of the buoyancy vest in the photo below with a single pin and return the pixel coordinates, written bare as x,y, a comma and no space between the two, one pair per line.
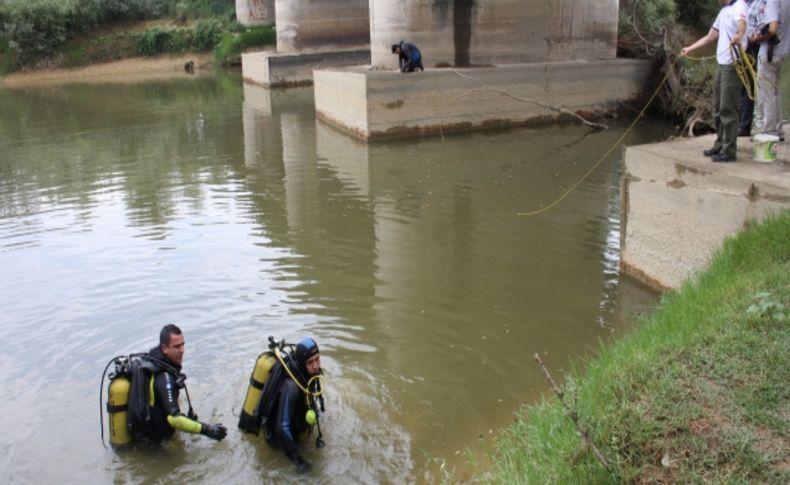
147,420
266,410
140,420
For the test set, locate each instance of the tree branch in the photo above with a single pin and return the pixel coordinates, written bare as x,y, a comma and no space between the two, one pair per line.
597,126
573,414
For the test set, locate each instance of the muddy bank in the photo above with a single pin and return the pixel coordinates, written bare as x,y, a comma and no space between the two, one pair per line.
138,69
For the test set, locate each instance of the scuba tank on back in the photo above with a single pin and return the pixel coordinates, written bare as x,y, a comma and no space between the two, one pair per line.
249,420
118,403
130,397
271,370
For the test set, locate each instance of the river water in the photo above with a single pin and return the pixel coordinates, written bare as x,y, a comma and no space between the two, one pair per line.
232,212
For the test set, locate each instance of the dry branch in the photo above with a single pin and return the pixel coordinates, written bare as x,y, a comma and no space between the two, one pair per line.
572,413
483,88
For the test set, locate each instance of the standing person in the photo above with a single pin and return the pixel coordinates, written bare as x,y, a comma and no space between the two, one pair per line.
728,30
294,402
165,413
756,12
409,56
774,47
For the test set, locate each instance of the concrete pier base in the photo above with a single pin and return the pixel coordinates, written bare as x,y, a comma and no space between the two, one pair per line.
272,69
372,104
679,206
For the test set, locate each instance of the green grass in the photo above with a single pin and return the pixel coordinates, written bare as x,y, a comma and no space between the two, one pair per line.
228,50
227,39
121,40
703,386
104,47
7,57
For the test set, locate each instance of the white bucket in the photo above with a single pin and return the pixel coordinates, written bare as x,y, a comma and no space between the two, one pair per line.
765,147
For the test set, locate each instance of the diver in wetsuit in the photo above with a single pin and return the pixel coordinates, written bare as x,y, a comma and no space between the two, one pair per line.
166,416
293,404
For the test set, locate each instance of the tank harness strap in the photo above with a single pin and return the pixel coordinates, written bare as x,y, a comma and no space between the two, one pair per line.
151,394
256,384
113,408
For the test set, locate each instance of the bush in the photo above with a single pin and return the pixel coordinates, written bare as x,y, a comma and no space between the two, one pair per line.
211,8
208,32
36,28
154,41
118,10
158,40
658,29
697,15
645,23
653,21
7,57
231,46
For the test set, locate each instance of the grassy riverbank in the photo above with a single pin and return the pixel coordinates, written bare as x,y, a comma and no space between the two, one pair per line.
699,393
57,34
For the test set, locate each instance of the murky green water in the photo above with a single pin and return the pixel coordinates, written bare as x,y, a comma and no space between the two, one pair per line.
232,212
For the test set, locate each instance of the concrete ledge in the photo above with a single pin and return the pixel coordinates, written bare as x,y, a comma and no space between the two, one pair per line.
373,104
271,69
678,206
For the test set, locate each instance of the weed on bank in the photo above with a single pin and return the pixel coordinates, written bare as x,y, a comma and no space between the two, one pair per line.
36,34
699,393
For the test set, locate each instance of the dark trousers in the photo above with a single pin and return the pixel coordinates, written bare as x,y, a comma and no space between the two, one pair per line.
411,66
726,93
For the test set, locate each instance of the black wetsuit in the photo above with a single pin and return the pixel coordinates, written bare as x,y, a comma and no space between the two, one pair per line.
290,422
166,391
410,57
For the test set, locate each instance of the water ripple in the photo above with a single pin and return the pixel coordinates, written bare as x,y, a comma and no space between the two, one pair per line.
124,208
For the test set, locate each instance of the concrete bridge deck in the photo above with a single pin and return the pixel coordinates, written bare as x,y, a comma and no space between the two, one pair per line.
679,206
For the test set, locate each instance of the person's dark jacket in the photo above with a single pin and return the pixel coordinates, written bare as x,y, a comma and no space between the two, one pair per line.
410,57
167,386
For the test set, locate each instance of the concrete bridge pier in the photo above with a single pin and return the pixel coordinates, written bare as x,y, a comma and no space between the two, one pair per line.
489,63
464,33
255,12
310,34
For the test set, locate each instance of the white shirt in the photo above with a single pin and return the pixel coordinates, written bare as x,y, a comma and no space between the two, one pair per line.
756,12
778,10
726,25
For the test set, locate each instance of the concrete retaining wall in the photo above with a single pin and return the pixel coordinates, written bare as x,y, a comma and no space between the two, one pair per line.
255,12
321,24
284,70
341,99
374,104
678,206
484,32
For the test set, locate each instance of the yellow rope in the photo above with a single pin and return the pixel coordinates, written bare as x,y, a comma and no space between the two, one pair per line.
619,140
744,67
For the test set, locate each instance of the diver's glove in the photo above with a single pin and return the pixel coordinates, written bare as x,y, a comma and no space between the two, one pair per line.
213,431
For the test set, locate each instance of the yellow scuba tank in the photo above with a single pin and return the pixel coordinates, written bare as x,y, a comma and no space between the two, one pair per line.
118,410
248,420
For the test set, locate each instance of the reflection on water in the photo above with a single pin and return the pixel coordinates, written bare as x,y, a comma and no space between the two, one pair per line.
231,211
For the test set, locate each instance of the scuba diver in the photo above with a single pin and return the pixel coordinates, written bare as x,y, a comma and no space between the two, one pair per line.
284,397
165,413
143,395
